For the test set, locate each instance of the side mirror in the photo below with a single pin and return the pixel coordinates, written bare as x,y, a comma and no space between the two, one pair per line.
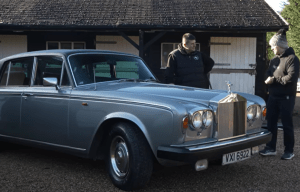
50,81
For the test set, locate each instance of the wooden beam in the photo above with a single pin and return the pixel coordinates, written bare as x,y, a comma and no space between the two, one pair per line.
154,39
228,71
106,42
219,43
141,44
129,40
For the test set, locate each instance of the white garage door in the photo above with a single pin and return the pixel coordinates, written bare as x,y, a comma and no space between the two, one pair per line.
235,59
12,44
117,43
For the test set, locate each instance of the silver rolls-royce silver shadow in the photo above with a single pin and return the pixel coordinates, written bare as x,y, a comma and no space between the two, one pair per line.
109,105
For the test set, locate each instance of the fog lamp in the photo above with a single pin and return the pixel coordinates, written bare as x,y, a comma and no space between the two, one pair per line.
201,165
255,150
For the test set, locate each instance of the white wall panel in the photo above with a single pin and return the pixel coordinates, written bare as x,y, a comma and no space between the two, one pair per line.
122,45
242,82
12,44
239,54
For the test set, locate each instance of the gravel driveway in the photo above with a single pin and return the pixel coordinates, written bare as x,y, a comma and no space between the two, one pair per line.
28,169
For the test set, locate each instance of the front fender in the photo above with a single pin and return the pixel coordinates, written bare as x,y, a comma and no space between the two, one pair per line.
129,117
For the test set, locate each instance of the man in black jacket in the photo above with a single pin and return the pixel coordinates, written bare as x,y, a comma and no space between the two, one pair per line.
281,77
188,67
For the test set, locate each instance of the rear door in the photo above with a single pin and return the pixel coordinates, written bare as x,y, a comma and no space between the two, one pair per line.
15,77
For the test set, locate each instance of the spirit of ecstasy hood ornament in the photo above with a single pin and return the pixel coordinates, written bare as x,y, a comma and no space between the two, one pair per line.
232,97
229,86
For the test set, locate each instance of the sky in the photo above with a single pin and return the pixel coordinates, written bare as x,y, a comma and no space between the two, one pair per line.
275,4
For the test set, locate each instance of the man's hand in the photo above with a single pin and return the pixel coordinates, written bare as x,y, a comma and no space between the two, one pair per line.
269,81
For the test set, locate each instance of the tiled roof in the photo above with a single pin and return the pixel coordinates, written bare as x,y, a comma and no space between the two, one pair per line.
139,13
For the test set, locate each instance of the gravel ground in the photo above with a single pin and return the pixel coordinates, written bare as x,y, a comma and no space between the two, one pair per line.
28,169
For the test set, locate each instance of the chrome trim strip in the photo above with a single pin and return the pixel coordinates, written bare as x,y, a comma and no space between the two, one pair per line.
34,70
196,144
224,143
10,93
50,97
41,142
62,72
8,72
234,137
117,100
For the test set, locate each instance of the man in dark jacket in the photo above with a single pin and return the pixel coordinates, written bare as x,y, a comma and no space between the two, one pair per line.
188,67
281,77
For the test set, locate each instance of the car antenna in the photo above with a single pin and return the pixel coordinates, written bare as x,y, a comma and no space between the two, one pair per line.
94,70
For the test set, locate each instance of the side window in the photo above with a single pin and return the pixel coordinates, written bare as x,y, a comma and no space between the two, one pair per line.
127,70
116,69
48,66
17,72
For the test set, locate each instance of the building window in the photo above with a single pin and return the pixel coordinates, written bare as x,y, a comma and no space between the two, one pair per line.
65,45
166,48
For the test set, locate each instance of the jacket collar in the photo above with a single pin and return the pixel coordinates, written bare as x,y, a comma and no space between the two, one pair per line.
289,51
183,51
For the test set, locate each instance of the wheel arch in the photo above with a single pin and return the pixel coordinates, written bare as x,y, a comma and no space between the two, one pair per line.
98,144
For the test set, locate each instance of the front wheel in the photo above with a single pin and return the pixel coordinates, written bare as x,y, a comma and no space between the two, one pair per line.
128,158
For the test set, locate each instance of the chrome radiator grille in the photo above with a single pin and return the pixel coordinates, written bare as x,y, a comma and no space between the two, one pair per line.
232,119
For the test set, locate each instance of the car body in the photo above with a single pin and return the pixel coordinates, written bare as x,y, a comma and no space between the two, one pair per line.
109,105
298,85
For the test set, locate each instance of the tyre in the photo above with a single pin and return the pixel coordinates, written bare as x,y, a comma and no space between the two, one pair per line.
129,159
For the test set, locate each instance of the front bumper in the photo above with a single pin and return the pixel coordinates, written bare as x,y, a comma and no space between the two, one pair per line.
212,151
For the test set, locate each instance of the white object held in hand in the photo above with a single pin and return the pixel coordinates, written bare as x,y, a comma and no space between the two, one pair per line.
269,80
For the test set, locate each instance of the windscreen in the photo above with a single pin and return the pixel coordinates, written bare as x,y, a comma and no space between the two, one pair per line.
107,67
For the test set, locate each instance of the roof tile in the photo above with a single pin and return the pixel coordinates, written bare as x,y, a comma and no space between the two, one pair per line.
125,13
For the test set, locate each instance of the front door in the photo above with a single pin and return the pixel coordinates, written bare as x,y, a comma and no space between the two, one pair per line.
44,113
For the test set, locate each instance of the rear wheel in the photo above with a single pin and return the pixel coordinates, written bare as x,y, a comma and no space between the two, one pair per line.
128,157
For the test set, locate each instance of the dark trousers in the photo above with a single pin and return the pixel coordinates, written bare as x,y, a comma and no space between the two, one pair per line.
285,107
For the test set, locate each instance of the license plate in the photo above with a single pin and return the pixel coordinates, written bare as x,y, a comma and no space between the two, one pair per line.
236,156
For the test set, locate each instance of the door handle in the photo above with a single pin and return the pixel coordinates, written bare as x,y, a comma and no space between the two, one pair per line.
27,94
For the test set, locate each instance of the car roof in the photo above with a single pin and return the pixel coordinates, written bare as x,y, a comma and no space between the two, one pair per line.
62,52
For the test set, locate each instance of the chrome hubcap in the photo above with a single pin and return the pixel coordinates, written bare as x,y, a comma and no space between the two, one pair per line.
119,156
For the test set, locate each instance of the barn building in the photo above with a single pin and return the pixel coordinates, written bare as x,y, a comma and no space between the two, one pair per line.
232,32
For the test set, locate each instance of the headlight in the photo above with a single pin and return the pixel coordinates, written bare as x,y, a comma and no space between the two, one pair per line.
197,120
253,112
202,119
208,119
258,113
